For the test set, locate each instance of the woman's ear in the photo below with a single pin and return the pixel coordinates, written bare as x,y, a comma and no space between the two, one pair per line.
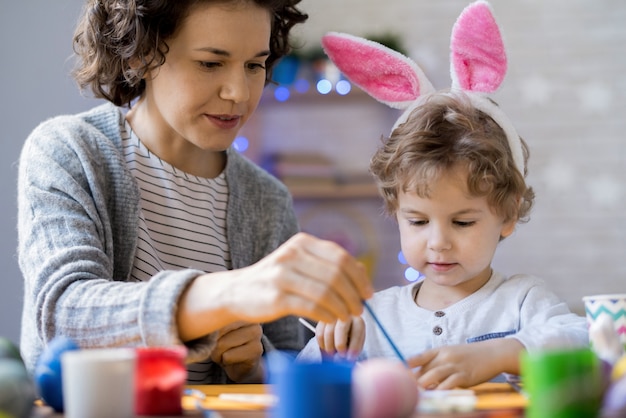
143,63
137,63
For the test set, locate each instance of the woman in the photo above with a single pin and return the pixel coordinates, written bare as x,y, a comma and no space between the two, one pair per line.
139,225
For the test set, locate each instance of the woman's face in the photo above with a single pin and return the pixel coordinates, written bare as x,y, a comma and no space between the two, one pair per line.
210,84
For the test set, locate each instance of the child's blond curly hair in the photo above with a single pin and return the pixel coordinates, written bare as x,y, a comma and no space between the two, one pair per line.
444,132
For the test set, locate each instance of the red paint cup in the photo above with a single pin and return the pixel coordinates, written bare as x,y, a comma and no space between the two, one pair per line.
160,380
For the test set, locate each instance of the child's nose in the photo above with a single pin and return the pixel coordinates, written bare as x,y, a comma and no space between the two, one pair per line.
438,239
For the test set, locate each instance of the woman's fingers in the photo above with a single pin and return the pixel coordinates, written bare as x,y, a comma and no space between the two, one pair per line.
312,299
325,273
306,276
237,337
347,275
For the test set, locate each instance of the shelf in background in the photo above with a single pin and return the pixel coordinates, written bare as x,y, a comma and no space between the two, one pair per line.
313,97
334,191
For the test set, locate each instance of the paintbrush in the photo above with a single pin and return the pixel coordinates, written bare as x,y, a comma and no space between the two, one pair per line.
384,331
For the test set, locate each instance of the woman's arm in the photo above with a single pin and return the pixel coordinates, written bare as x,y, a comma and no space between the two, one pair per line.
77,212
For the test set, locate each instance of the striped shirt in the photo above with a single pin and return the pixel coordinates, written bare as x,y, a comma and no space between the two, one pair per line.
182,222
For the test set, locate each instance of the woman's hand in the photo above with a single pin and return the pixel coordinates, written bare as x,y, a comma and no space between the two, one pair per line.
345,338
306,276
466,365
239,351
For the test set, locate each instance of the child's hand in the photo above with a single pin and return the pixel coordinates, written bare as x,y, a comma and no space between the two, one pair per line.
345,338
466,365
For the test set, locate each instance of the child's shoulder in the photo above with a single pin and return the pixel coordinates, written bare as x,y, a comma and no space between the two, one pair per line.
520,279
395,293
518,283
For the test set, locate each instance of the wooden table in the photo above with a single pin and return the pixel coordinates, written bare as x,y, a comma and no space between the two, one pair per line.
494,400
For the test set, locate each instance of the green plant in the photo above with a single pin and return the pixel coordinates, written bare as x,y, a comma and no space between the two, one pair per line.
390,40
315,53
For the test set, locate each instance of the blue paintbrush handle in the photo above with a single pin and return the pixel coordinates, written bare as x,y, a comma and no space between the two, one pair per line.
384,331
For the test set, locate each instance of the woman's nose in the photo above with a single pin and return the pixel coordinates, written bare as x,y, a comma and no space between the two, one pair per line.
235,87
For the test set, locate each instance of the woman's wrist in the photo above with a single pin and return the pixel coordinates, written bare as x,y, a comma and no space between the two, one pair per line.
202,307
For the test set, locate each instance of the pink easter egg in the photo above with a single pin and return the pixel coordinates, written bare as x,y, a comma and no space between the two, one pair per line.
383,388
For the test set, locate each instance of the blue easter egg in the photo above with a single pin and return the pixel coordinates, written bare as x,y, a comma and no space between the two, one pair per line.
48,376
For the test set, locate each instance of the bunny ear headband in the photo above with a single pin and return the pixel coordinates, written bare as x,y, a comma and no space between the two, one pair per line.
478,65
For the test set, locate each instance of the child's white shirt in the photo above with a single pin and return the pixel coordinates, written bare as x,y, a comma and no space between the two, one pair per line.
520,307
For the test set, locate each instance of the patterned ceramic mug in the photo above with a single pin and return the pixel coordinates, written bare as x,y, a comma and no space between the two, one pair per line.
612,306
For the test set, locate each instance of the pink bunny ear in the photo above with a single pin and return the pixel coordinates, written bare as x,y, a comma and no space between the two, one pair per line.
383,73
478,65
478,59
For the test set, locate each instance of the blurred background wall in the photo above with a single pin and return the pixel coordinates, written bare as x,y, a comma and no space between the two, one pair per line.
565,91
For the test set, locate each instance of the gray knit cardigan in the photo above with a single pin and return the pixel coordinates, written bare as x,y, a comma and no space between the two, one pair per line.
78,207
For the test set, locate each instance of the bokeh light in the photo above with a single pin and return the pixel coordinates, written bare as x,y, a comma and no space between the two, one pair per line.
281,93
412,275
241,143
301,85
324,86
343,87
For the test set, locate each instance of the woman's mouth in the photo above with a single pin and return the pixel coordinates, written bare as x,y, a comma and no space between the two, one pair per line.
225,121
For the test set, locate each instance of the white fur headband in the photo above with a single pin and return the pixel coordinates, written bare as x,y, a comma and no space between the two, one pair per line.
477,66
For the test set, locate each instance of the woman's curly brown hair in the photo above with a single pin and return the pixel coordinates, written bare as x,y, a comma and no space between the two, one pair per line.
113,33
442,133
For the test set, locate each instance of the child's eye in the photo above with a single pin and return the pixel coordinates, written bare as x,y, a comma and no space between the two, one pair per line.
417,222
464,224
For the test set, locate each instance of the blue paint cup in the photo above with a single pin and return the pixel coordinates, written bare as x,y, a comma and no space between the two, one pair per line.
311,390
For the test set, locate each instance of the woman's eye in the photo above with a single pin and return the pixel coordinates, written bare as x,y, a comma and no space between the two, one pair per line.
209,64
255,66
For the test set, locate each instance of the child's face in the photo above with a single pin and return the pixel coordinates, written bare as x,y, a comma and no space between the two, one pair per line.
450,237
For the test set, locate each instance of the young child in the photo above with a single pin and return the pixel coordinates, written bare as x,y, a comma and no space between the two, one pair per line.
452,174
140,225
